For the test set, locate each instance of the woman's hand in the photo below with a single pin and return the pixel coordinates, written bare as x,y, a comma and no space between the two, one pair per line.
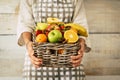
35,61
76,60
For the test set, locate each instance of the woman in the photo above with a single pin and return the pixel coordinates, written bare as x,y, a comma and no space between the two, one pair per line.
33,11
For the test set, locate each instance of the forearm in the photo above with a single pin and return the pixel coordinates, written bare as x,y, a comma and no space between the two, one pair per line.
82,40
82,43
27,36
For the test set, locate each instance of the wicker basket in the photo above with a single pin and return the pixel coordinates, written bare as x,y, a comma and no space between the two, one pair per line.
49,53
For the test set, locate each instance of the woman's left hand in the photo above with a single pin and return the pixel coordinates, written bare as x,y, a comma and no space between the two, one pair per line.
76,60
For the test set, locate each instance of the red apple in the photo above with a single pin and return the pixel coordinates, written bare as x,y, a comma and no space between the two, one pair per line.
52,27
49,28
56,27
38,32
62,27
46,33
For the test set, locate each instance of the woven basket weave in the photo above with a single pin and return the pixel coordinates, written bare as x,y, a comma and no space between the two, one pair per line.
49,53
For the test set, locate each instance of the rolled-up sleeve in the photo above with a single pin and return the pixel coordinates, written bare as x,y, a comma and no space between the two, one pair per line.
80,18
25,20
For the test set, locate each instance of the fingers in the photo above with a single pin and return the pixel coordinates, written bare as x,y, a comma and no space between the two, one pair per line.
76,60
34,60
76,57
76,63
37,64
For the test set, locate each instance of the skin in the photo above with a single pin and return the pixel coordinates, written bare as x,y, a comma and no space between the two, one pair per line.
75,60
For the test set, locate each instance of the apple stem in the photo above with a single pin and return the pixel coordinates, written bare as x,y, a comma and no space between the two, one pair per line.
53,33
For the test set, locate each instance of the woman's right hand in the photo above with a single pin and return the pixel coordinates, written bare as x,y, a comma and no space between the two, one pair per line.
35,61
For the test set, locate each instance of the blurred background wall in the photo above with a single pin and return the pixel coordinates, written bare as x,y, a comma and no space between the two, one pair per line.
104,26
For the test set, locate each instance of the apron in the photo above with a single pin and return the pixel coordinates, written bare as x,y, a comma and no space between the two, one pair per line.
64,11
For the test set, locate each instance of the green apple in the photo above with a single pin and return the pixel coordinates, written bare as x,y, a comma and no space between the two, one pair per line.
42,26
54,36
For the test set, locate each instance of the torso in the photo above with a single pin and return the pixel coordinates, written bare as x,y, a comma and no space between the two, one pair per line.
61,9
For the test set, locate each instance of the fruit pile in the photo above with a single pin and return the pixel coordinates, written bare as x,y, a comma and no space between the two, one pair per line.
55,31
